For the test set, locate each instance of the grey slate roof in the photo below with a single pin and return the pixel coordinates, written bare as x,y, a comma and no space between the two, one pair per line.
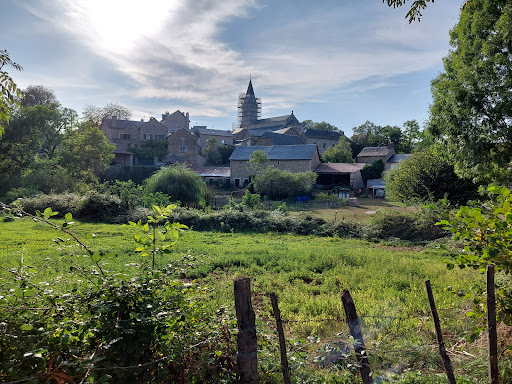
273,123
321,134
375,151
279,152
282,139
120,124
212,171
212,132
396,158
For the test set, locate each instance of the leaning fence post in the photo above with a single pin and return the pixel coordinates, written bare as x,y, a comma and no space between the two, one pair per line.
282,341
491,327
355,331
246,340
442,351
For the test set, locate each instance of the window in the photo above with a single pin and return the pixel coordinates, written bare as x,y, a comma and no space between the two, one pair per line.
222,141
182,149
325,145
372,159
147,136
124,135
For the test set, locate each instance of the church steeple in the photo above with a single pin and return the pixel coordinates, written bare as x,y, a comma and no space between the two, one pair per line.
249,107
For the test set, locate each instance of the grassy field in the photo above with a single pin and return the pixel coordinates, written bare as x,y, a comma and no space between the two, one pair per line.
308,274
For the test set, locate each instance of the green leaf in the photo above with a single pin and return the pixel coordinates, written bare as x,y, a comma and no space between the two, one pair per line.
68,217
26,327
48,213
95,257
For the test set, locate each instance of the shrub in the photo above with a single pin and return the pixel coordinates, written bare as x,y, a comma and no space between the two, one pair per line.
251,200
100,207
179,182
17,193
278,184
62,203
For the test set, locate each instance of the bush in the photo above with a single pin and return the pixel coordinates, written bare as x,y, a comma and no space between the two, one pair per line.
17,193
179,182
62,203
100,207
278,184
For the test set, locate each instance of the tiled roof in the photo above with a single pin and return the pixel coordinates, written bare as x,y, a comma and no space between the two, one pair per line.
273,123
339,167
281,139
375,151
322,134
278,152
212,171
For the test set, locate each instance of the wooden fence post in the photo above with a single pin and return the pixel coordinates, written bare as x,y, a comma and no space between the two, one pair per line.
282,341
355,331
491,327
442,351
246,340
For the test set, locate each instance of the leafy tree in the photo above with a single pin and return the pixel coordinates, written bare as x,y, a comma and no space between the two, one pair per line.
416,7
177,181
258,160
38,95
278,184
427,176
472,103
251,201
97,114
86,152
215,153
9,91
324,126
340,153
372,171
372,135
148,149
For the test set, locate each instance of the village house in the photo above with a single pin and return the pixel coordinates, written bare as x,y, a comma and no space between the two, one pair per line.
345,175
294,158
272,138
368,155
204,134
176,120
323,139
183,147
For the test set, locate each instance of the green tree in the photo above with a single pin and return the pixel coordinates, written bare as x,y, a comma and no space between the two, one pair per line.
324,126
9,91
216,153
258,160
179,182
38,95
148,149
372,171
472,103
428,176
86,152
340,153
278,184
414,12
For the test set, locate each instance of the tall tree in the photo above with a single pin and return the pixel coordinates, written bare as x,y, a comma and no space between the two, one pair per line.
9,91
216,153
324,126
97,114
472,100
38,95
340,153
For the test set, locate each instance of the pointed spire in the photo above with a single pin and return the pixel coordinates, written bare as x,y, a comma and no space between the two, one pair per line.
250,91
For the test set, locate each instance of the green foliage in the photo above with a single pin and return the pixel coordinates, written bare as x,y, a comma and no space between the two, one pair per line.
130,193
150,242
251,201
471,108
148,149
9,91
100,207
416,7
179,182
64,202
278,184
427,176
372,171
18,193
486,234
340,153
324,126
216,153
258,160
371,135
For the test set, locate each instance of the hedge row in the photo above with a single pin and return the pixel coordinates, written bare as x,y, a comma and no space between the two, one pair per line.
415,226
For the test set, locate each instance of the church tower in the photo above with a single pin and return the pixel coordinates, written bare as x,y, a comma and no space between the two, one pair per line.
249,107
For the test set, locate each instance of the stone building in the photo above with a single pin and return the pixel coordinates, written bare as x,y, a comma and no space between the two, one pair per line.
294,158
370,154
176,120
203,133
183,147
322,139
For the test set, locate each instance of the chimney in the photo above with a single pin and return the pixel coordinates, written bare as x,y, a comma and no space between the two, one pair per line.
188,120
114,117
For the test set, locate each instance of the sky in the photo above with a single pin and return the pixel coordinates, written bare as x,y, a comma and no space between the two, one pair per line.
344,62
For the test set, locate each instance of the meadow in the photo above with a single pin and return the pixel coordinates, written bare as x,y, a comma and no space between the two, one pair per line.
308,273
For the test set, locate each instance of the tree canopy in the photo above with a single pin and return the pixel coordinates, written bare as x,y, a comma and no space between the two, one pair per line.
9,91
472,100
38,95
216,153
340,153
97,114
324,126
